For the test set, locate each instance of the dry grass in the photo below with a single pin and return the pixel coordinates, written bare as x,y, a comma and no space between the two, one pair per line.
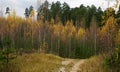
38,62
94,64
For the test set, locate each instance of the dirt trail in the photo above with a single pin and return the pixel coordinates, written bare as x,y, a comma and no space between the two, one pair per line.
65,63
74,68
77,66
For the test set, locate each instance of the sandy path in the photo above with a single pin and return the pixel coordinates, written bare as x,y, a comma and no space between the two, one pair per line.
65,63
76,66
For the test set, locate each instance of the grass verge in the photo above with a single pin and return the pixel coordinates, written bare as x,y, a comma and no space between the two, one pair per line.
36,62
94,64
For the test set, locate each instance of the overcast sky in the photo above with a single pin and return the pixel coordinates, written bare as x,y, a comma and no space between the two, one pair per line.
20,5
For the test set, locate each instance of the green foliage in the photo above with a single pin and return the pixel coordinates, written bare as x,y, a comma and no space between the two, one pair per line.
26,13
43,12
73,32
1,45
113,61
99,16
7,41
79,32
109,12
29,12
7,10
44,47
63,12
6,56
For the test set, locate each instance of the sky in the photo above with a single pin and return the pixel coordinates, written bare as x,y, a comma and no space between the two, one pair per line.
20,5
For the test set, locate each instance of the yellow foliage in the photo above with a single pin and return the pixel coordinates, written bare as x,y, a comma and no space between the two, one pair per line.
68,28
74,31
32,13
81,32
110,25
108,13
58,29
52,21
117,39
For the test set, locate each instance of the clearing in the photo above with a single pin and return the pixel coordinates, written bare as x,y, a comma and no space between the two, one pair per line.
39,62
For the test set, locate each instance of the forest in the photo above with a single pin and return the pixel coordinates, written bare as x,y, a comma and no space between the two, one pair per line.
76,33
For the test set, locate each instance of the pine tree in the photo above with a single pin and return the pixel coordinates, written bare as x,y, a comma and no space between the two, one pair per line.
6,55
26,13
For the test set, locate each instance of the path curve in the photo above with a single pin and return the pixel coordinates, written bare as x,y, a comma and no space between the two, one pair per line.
77,66
66,62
